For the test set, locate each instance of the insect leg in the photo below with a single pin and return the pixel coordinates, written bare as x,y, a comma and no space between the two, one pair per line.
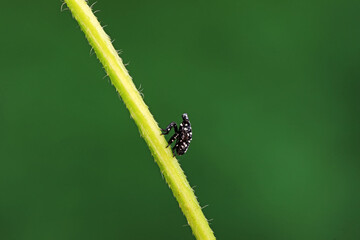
168,128
172,139
173,150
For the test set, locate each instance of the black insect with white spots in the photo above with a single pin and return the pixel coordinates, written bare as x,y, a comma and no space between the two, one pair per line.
183,135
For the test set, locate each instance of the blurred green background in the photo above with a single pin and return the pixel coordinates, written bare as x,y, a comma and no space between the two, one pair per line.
271,89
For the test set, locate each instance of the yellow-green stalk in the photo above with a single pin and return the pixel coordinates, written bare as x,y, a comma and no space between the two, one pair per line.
146,123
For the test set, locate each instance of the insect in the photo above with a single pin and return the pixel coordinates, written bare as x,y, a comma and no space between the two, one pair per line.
183,135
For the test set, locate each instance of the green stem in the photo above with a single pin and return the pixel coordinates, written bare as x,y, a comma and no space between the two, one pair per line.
146,123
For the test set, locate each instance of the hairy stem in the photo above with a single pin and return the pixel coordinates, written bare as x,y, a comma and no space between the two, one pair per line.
146,123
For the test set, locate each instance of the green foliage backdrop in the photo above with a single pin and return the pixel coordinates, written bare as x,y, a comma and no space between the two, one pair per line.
272,91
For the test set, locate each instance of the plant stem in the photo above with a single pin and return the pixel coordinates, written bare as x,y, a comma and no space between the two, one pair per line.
146,123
